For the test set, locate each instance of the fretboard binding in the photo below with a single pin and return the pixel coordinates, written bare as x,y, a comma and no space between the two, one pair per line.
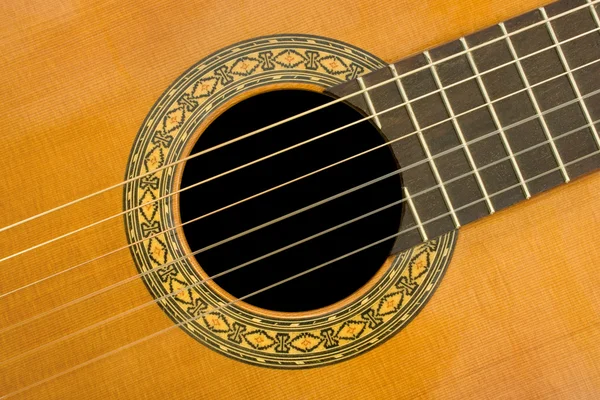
494,115
367,98
415,215
425,147
459,132
535,104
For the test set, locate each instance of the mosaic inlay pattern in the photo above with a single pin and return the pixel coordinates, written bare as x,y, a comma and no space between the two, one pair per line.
177,285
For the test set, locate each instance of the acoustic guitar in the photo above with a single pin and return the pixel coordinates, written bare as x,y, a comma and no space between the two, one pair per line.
300,200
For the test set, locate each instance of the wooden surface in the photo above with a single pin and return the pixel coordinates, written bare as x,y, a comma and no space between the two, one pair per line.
484,103
517,314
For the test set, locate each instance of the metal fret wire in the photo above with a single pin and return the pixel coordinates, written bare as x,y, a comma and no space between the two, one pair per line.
501,131
422,231
590,123
70,233
459,132
368,100
535,104
494,115
415,214
593,11
132,179
408,198
425,147
155,334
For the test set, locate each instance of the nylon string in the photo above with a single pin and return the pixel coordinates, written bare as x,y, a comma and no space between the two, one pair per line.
245,264
485,104
323,106
314,205
406,103
233,302
537,115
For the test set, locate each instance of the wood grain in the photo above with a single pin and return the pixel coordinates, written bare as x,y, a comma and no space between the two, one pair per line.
481,101
515,316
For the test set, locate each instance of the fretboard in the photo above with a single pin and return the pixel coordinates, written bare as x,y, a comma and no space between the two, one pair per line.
490,119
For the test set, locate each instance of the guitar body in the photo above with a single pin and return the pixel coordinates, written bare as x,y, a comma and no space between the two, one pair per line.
516,314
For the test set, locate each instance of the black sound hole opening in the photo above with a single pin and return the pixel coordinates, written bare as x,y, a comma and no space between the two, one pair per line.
330,283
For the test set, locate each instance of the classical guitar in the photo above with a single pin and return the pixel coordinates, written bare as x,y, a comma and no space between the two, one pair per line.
300,200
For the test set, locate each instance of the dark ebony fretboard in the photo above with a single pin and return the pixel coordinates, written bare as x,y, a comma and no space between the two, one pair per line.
492,118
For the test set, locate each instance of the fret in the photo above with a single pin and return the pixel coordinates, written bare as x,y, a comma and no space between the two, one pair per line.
505,89
576,18
594,12
475,122
425,147
567,68
574,38
535,104
460,135
367,97
398,128
415,215
490,119
497,123
442,139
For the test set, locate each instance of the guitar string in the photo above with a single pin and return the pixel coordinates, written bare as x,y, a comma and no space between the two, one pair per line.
567,164
238,168
278,283
590,3
588,155
314,172
484,105
245,264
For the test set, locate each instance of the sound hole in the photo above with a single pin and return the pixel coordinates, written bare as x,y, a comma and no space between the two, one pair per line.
330,283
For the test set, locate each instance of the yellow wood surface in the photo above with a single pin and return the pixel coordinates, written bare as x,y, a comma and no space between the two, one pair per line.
516,316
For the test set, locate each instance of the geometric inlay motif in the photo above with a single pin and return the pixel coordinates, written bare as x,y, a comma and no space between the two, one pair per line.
259,339
157,250
245,66
289,58
390,303
306,342
204,87
419,264
351,330
155,158
173,120
334,65
149,206
216,322
203,313
182,293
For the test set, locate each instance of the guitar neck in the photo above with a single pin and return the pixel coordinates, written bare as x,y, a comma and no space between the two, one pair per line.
490,119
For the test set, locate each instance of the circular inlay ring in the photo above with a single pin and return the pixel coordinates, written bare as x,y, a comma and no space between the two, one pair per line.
160,257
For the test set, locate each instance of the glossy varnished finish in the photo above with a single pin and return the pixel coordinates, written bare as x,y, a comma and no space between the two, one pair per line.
515,316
